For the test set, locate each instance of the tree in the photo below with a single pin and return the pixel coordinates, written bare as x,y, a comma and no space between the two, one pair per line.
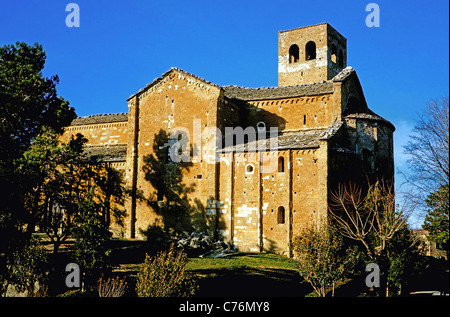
428,149
364,217
60,178
437,218
322,259
402,260
28,102
44,164
375,221
90,251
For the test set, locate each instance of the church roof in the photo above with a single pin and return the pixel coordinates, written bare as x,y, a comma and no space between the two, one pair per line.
262,93
104,153
100,118
289,140
265,93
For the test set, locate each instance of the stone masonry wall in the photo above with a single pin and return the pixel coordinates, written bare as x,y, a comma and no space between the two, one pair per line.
174,102
100,133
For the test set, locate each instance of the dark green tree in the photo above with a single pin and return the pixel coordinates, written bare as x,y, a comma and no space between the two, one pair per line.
61,178
28,102
90,249
44,165
437,218
403,261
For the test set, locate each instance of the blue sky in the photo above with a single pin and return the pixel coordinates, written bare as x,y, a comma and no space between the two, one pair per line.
121,46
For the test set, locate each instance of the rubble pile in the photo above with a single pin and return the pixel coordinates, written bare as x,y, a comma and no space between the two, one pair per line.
204,245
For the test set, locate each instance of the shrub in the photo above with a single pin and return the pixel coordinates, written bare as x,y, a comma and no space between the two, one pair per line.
165,276
322,259
111,287
29,270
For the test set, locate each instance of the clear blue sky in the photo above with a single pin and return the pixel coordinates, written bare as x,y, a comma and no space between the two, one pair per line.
121,46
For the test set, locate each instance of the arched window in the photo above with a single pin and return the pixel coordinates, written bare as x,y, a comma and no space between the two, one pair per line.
293,53
310,50
341,59
334,53
281,215
281,164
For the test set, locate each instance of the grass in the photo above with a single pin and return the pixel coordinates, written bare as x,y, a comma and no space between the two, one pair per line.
248,274
258,274
242,260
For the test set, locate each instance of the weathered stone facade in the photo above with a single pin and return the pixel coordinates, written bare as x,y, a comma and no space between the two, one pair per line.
326,135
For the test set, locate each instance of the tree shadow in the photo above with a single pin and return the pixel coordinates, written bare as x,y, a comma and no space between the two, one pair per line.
173,200
251,282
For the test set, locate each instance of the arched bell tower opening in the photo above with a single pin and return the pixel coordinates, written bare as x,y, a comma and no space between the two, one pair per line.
310,51
294,53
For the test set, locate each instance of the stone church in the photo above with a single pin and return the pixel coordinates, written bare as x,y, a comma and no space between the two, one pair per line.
323,131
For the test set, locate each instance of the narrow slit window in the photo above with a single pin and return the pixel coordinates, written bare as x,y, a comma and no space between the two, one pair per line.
281,164
281,215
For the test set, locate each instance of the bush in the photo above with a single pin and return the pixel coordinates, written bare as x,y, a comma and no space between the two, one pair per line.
165,276
322,258
111,287
29,270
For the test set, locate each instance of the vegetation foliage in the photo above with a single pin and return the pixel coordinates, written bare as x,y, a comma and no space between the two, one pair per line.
165,275
322,258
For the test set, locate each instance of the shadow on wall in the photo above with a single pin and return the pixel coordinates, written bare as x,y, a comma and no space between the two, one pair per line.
171,199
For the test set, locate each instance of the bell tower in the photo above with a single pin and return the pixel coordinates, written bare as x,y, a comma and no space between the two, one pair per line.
310,54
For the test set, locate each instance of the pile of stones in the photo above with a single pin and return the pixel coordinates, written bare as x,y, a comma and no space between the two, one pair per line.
204,245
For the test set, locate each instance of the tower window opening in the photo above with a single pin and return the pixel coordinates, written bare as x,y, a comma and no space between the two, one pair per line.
310,50
281,215
281,164
334,53
293,53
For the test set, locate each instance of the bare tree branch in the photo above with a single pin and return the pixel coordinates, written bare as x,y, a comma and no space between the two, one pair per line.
357,216
428,149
